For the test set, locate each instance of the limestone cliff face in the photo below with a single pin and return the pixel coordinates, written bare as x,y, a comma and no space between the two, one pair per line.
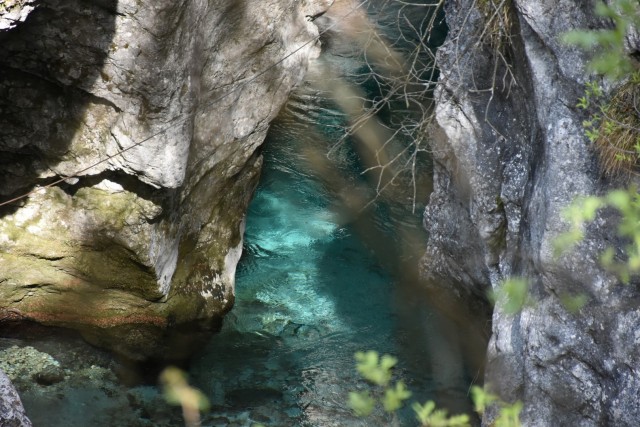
144,242
511,156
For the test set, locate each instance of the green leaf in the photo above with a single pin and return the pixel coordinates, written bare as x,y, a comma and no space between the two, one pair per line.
481,399
619,199
461,420
388,362
361,403
592,135
429,416
584,39
573,303
423,412
566,241
394,397
584,104
509,415
373,369
515,292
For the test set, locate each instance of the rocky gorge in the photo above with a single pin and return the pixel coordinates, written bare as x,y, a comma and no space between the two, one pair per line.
136,128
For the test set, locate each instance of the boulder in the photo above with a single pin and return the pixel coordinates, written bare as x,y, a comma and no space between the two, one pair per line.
135,129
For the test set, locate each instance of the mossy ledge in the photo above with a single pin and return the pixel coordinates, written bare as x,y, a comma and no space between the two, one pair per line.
618,141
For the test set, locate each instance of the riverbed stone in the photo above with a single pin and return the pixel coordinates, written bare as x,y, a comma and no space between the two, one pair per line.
135,127
12,412
510,154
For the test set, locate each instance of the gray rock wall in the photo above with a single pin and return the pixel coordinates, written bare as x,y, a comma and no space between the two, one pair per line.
145,241
509,156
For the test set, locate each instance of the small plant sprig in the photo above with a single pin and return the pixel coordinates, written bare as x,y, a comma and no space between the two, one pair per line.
379,371
177,391
591,100
508,413
612,60
584,210
430,416
512,295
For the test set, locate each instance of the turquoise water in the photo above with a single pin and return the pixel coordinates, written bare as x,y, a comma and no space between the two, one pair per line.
310,292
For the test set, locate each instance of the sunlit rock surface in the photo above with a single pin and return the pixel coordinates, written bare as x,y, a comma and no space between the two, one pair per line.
13,12
510,156
146,241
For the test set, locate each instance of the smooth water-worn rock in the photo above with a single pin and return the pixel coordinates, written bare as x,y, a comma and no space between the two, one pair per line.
509,156
11,410
152,112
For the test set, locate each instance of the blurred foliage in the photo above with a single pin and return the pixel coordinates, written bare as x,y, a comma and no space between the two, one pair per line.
508,413
614,124
512,295
430,416
177,391
378,371
573,303
584,210
611,59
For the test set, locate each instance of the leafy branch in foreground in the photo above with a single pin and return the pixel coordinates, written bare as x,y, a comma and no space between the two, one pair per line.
583,210
512,295
378,371
508,413
612,60
177,391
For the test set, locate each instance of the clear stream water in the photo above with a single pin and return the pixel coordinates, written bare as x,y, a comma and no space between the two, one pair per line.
310,294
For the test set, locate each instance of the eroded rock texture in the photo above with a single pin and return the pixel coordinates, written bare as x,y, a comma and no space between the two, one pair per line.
11,410
146,241
511,155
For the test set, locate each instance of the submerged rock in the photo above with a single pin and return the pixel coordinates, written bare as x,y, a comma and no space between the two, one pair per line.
50,375
147,117
24,364
510,155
